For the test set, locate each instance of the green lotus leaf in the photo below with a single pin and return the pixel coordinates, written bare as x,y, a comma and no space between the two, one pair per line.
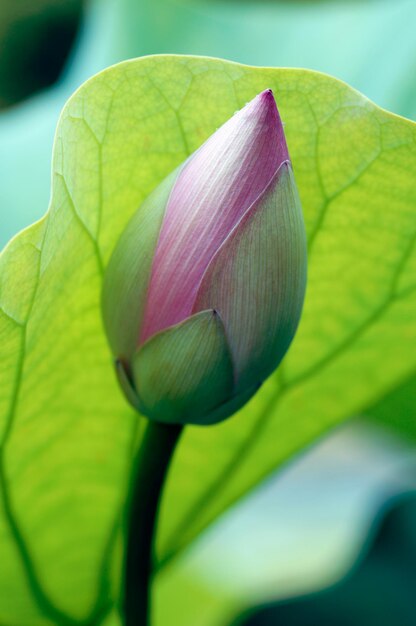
67,431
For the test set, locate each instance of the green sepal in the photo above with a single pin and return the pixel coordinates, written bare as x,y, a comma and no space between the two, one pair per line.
232,405
127,384
185,372
128,273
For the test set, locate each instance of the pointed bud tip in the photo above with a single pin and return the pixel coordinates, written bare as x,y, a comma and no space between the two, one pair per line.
266,97
272,116
264,105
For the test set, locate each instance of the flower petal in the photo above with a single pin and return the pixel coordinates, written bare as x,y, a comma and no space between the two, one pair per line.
183,373
215,188
256,281
127,276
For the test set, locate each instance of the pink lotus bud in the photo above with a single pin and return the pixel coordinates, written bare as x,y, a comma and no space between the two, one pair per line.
204,291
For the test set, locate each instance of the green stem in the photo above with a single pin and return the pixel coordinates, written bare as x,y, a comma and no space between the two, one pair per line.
150,470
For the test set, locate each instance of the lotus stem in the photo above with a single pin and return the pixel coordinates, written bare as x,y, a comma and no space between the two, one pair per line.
149,473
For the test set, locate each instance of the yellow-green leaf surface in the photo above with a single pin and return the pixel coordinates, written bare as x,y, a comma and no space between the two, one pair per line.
67,432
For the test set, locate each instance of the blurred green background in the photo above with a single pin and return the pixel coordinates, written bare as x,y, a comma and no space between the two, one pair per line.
305,529
368,43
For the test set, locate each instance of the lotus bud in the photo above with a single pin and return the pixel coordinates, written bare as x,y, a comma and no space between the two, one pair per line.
204,290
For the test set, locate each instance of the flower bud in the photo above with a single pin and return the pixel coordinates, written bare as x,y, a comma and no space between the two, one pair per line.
204,290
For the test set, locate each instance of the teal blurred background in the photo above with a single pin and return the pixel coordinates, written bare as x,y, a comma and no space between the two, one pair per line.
368,43
304,529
